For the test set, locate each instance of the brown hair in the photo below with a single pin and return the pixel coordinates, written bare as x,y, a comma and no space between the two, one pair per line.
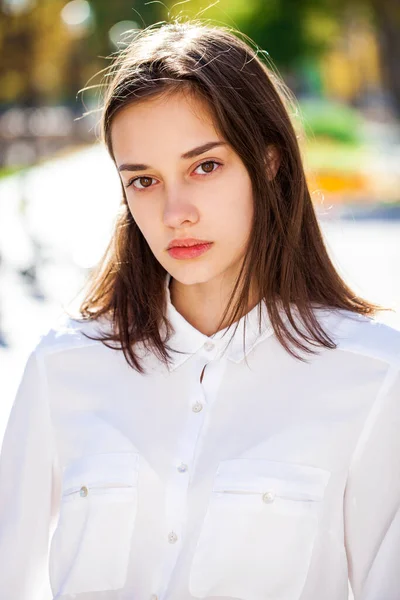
286,254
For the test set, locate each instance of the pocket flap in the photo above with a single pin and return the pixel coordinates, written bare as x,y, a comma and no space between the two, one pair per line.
111,468
260,475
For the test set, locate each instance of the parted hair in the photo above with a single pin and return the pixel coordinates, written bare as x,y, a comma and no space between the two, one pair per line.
286,256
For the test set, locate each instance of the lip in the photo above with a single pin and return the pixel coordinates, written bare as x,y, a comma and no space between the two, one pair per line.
186,242
185,252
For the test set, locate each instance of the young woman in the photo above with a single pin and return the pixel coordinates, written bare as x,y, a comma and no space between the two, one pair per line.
222,420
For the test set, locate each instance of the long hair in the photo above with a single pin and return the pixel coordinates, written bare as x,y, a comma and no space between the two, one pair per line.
285,256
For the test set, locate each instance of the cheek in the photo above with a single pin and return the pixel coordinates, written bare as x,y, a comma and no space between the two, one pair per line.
241,203
143,219
241,214
139,211
248,201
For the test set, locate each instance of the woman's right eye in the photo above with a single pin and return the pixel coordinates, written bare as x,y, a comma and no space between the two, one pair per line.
145,182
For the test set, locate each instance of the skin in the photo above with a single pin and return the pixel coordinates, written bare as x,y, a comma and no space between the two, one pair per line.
180,198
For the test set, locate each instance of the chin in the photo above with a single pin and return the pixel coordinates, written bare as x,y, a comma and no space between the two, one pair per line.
191,273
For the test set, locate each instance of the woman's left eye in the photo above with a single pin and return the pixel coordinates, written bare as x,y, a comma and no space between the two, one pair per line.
208,166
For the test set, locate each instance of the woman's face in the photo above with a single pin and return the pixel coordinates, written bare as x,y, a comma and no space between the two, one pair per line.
205,195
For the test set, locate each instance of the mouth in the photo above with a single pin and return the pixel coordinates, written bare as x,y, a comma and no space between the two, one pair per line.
187,243
189,251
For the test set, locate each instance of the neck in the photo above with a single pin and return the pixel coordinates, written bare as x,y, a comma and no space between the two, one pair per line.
203,304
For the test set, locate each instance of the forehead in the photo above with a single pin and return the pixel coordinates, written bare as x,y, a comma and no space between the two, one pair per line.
173,122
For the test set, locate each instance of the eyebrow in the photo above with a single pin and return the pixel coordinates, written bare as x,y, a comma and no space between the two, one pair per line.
190,154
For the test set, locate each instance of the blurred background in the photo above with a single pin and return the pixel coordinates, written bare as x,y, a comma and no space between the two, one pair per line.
59,191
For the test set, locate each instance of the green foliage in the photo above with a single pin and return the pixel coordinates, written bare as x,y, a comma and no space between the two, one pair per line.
332,120
7,171
288,30
323,154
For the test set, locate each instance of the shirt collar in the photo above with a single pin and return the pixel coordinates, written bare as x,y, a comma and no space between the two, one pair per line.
188,340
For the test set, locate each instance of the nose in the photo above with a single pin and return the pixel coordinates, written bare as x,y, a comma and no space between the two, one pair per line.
179,208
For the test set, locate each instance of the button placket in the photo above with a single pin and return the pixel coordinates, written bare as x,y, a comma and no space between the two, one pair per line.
177,487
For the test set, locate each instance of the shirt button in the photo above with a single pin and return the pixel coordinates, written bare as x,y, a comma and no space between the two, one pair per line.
209,346
182,468
83,491
197,407
172,537
268,497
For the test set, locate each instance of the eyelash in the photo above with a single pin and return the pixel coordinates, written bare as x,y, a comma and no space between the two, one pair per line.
131,181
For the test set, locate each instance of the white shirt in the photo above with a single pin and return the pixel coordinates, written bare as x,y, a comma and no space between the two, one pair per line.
272,479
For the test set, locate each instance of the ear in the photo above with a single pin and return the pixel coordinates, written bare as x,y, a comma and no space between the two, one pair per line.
273,161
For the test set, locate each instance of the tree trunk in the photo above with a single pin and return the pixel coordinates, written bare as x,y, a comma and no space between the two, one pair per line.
387,16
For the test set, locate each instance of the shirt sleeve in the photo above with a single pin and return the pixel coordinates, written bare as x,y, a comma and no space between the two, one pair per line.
28,470
372,500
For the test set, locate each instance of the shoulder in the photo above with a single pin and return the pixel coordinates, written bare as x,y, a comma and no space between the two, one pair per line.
68,332
359,334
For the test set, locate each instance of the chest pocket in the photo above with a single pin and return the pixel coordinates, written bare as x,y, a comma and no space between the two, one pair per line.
90,546
259,530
